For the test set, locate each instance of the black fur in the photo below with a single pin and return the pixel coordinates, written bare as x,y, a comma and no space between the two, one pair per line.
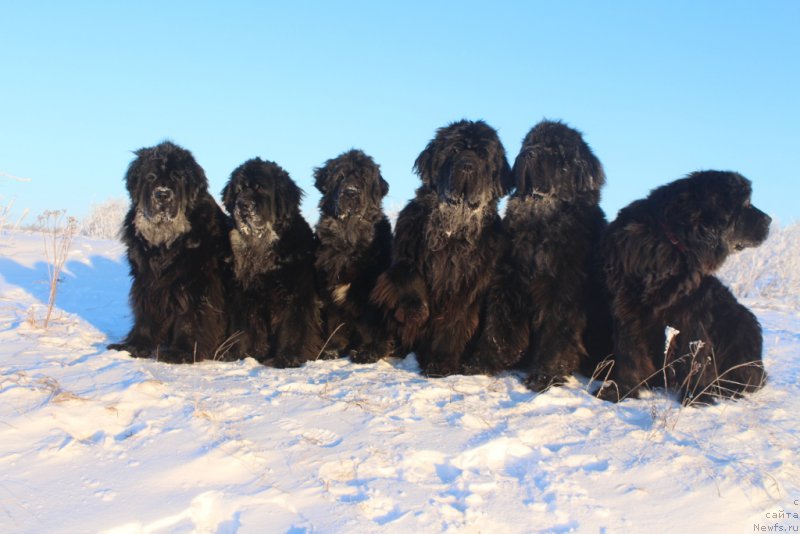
447,242
276,315
355,240
659,257
546,308
177,242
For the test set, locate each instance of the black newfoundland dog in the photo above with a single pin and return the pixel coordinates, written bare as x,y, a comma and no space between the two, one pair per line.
547,308
275,315
659,257
447,242
177,241
355,240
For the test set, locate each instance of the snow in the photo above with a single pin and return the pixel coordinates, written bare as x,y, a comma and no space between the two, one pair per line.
95,441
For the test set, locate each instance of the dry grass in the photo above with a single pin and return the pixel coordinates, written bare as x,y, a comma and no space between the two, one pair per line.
225,347
771,271
6,222
664,411
58,233
328,341
42,384
105,219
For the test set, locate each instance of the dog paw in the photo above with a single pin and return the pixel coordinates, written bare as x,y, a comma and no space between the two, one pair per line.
133,350
364,356
329,354
609,392
412,312
540,381
440,369
170,355
476,370
285,362
489,359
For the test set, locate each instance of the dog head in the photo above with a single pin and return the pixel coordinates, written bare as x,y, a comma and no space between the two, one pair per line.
712,210
351,186
465,163
261,196
164,183
556,162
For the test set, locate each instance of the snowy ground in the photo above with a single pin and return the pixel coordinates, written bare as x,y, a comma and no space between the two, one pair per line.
95,441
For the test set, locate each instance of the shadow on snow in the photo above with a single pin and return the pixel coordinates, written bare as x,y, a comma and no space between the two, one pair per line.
96,292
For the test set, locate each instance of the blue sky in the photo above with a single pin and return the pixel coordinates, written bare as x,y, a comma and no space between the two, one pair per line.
659,89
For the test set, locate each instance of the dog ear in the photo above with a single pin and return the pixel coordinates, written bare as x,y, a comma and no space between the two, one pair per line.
321,178
175,157
589,174
384,186
500,176
197,182
227,196
506,176
425,163
521,175
133,177
735,192
287,196
377,187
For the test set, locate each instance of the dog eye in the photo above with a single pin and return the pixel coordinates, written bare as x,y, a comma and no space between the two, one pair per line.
351,189
150,177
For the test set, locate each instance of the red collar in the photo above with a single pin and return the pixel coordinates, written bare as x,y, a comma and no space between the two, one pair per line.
672,239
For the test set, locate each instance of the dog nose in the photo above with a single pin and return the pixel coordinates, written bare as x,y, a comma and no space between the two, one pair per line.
466,162
163,194
245,205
